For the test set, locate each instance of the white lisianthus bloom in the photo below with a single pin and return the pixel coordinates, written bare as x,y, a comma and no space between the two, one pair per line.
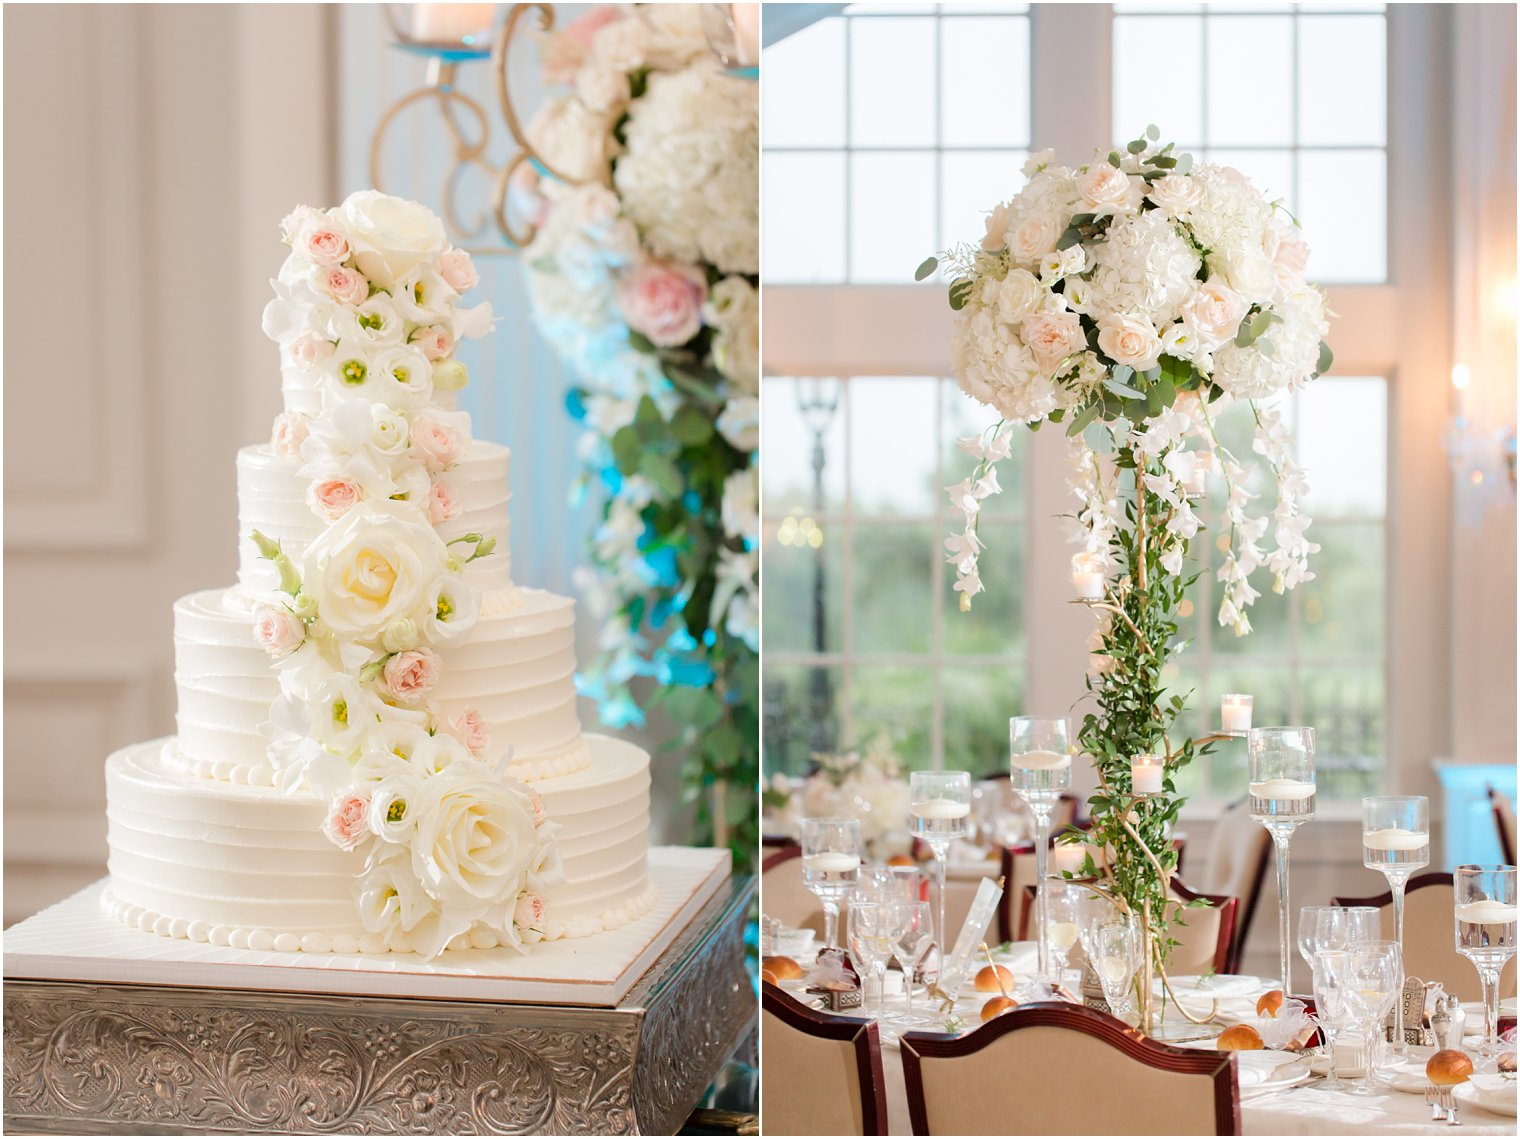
342,714
401,377
390,749
348,373
390,236
375,323
392,813
452,613
423,296
688,179
390,900
380,563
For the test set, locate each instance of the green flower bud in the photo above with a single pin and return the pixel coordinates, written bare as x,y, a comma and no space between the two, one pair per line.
449,375
400,636
304,606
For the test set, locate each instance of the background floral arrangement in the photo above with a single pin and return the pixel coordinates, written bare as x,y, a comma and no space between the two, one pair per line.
367,315
868,785
643,274
1133,299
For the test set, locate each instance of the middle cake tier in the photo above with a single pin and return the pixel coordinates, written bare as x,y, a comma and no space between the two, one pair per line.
516,668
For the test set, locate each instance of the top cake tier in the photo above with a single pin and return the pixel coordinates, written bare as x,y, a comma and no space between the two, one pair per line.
368,305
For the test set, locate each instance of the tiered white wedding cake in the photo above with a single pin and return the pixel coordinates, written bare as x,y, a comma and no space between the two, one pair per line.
378,747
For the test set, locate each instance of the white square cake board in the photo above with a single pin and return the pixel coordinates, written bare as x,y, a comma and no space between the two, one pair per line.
75,941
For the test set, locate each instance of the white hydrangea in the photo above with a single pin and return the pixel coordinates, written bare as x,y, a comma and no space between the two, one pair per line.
1144,266
996,368
688,178
1231,215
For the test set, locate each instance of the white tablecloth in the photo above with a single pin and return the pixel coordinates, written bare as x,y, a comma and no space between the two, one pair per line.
1305,1110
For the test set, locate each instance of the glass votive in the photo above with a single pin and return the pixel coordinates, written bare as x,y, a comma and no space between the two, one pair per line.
1087,577
1235,712
1146,773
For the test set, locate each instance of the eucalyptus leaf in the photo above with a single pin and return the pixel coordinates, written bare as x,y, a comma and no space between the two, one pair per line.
1153,132
926,269
1137,146
1326,358
1083,418
1098,438
1122,372
1265,346
959,291
1114,159
1071,236
1184,164
1122,389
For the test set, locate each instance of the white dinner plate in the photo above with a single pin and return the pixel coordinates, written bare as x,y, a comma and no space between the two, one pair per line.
1474,1011
1409,1075
1266,1071
1488,1099
1225,986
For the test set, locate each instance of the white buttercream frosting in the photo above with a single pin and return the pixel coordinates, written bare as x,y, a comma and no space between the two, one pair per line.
248,866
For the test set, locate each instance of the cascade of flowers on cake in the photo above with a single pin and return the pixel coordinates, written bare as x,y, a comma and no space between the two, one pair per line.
368,314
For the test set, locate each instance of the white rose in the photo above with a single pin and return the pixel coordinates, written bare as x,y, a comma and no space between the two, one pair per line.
1017,295
1288,251
474,840
389,435
379,563
1035,236
1105,187
1249,272
1213,313
1129,340
1053,336
390,236
1177,193
996,237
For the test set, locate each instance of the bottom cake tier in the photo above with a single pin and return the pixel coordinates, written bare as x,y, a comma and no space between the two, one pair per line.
248,867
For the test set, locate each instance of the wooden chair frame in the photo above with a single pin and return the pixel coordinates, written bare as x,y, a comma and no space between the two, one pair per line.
1418,882
1506,845
862,1033
1216,1065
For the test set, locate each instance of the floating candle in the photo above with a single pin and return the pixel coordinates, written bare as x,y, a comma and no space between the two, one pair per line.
1395,838
1282,789
1487,912
1041,761
941,809
832,862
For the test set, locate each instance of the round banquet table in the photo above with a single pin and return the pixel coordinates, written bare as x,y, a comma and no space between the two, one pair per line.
1308,1109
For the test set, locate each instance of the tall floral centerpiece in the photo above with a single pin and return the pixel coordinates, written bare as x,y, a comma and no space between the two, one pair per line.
1130,301
643,275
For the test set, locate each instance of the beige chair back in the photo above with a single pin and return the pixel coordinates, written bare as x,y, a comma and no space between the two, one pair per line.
998,1080
822,1073
784,896
1239,854
1430,951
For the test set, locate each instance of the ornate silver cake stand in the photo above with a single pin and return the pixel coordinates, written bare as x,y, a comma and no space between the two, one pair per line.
89,1056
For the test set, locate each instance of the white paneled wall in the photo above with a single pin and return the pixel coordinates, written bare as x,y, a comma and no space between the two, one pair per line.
517,384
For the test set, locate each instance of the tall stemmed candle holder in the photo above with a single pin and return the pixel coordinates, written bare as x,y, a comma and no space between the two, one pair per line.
1485,925
1039,769
1280,771
1396,841
939,813
830,866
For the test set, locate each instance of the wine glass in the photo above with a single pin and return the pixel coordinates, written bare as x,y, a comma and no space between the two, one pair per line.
830,866
913,929
1280,767
1039,769
1374,980
1396,841
1115,956
939,807
1485,920
1309,918
1062,928
1331,1010
869,932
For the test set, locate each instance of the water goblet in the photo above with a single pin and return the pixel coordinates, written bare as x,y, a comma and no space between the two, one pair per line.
1374,980
1039,769
938,813
1330,1007
830,866
1280,770
1115,956
868,929
1484,899
913,932
1062,929
1396,841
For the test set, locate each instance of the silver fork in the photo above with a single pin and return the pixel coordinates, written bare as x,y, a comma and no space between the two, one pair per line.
1443,1105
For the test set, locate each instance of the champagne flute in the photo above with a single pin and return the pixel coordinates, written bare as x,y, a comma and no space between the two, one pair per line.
1396,841
1280,766
1330,1007
1115,949
940,805
913,930
1485,921
868,929
1374,980
830,866
1039,769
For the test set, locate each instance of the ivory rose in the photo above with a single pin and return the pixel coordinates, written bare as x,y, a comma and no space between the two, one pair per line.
474,838
469,727
663,300
1017,295
1034,237
529,912
344,285
1104,187
289,432
1176,193
307,350
1053,336
458,270
443,502
278,630
409,676
381,561
1213,314
1129,340
332,498
347,821
390,236
436,443
435,343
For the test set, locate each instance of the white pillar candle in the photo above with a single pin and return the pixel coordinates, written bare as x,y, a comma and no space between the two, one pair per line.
1235,712
746,33
941,809
1087,577
1145,772
450,23
1067,856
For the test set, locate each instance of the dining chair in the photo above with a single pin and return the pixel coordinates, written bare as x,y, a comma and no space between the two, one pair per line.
823,1073
1239,854
783,894
1063,1069
1204,935
1430,951
1504,823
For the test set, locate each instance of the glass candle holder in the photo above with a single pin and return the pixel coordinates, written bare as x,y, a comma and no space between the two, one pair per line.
1146,773
1087,577
1396,842
1484,898
1039,769
1235,712
831,866
1280,770
939,812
